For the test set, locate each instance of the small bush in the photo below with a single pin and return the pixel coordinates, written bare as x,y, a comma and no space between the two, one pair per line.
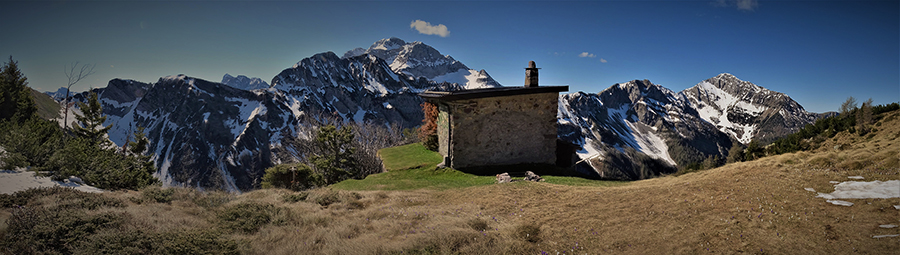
328,197
158,194
212,199
296,197
41,230
141,242
529,232
68,198
295,177
246,217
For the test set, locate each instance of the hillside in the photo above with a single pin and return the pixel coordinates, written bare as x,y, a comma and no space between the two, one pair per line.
47,107
764,206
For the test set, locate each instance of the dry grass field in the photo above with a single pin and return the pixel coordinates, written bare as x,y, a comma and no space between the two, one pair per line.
756,207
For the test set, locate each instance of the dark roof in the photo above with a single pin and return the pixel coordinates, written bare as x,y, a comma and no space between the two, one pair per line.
489,92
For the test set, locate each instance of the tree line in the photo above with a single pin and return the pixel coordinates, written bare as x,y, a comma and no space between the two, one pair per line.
83,150
335,151
851,117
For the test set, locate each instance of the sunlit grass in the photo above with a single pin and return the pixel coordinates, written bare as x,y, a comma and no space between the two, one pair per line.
408,156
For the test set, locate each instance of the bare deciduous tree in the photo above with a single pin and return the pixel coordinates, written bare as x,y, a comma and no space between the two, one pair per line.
83,72
848,106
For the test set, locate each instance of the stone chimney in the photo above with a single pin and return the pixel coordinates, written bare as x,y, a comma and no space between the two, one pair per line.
531,75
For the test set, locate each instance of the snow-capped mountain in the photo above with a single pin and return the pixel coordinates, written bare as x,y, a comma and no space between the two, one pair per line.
361,88
244,82
59,94
745,110
213,135
632,119
202,133
417,59
638,129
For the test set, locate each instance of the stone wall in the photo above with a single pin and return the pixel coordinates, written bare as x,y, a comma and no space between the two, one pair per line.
499,130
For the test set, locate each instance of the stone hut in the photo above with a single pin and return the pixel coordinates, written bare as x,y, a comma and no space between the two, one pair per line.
498,126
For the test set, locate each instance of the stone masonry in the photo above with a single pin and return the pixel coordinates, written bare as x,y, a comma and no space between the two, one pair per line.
497,126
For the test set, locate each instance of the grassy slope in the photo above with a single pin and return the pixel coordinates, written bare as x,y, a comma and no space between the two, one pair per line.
412,167
47,107
750,207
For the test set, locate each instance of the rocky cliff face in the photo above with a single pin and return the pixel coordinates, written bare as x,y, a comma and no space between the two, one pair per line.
745,110
417,59
638,129
217,135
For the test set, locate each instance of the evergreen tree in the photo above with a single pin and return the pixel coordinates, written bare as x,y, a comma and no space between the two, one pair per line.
335,159
754,151
16,102
736,153
91,121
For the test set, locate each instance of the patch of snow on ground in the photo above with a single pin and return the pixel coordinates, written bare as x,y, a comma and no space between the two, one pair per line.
840,202
883,236
897,207
855,177
13,181
887,226
863,190
809,189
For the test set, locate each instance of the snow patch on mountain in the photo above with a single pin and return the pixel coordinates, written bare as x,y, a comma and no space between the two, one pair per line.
723,103
417,59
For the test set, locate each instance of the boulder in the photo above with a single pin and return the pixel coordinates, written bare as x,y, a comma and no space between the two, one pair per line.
503,178
530,176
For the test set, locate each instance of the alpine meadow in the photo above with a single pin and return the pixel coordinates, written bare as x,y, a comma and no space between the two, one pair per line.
258,127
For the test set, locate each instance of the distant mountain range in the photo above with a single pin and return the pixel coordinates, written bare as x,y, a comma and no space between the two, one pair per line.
223,135
244,82
639,118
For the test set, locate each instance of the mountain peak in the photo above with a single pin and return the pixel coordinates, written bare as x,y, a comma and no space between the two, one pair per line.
726,76
388,44
418,59
244,82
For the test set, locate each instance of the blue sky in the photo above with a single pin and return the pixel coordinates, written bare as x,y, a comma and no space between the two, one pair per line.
818,52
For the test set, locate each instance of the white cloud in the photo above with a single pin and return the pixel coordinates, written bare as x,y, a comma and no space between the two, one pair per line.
747,5
602,60
586,55
426,28
744,5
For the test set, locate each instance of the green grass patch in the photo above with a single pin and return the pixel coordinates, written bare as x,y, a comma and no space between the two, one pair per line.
408,156
47,107
414,167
